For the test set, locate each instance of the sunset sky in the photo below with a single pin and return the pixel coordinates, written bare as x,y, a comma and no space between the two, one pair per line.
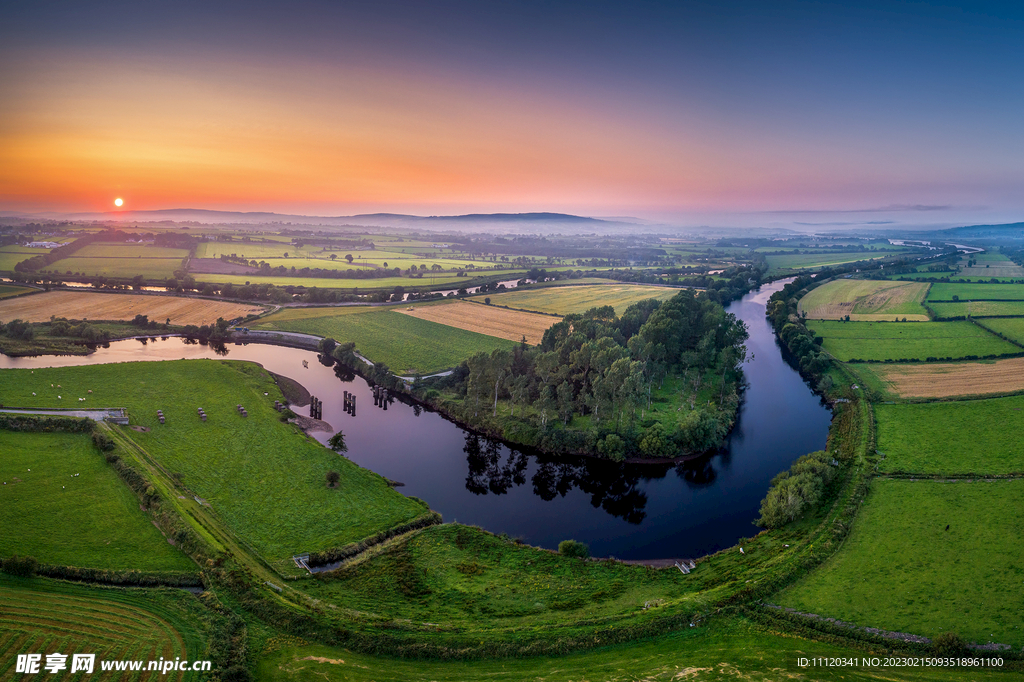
678,110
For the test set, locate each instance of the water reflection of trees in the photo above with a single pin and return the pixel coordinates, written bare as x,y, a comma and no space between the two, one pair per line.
613,487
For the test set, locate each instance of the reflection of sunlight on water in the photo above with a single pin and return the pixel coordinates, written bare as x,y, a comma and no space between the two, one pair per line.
766,291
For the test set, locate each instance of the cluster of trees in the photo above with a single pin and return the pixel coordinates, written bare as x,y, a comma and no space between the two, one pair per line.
20,330
61,326
604,369
797,490
803,345
729,286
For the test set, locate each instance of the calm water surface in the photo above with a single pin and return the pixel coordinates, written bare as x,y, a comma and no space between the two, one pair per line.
627,511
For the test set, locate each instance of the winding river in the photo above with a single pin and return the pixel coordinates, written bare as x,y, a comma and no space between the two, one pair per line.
628,511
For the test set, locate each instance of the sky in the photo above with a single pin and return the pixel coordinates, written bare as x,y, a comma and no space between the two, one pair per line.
817,113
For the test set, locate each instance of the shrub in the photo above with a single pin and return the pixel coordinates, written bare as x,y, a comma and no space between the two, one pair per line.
949,644
23,566
572,548
104,442
332,478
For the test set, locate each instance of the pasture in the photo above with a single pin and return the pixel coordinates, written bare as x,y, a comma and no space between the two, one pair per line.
406,344
12,255
125,268
945,380
812,261
978,308
565,300
879,341
114,250
724,648
976,292
45,616
866,300
960,437
262,477
484,319
10,290
102,306
965,580
62,503
989,264
1010,327
362,284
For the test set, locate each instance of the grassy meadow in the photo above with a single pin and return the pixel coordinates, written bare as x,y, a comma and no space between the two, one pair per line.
810,261
959,437
10,290
723,648
990,264
461,577
150,268
978,308
976,292
879,341
966,580
46,616
404,343
866,300
367,284
264,478
114,250
1010,327
62,503
12,255
564,300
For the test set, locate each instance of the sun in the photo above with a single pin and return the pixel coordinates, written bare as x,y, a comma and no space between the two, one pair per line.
118,202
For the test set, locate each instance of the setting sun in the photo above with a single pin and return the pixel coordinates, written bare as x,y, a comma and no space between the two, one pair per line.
118,202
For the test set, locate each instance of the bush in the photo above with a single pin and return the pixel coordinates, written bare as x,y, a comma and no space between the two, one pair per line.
23,566
949,644
104,442
332,478
572,548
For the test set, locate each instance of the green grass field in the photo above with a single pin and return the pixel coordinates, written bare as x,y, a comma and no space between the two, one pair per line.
471,580
879,341
46,616
864,299
564,300
1010,327
404,343
969,292
262,477
725,648
811,261
978,308
150,268
386,283
113,250
9,290
990,264
901,570
961,437
62,503
12,255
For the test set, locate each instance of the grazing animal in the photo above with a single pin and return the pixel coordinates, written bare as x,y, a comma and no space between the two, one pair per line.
947,526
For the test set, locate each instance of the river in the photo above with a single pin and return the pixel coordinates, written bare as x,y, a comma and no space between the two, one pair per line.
627,511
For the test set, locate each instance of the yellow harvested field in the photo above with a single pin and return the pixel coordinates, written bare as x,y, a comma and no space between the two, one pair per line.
485,319
98,306
941,380
866,301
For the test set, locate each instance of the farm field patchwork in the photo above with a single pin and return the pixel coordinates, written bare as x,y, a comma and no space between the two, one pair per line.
965,580
484,319
978,308
941,291
565,300
866,300
879,341
406,344
960,437
990,264
945,380
264,478
100,306
63,504
44,616
112,250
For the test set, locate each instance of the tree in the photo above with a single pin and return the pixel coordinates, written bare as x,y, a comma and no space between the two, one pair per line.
332,478
348,257
337,442
327,345
573,548
334,256
487,300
